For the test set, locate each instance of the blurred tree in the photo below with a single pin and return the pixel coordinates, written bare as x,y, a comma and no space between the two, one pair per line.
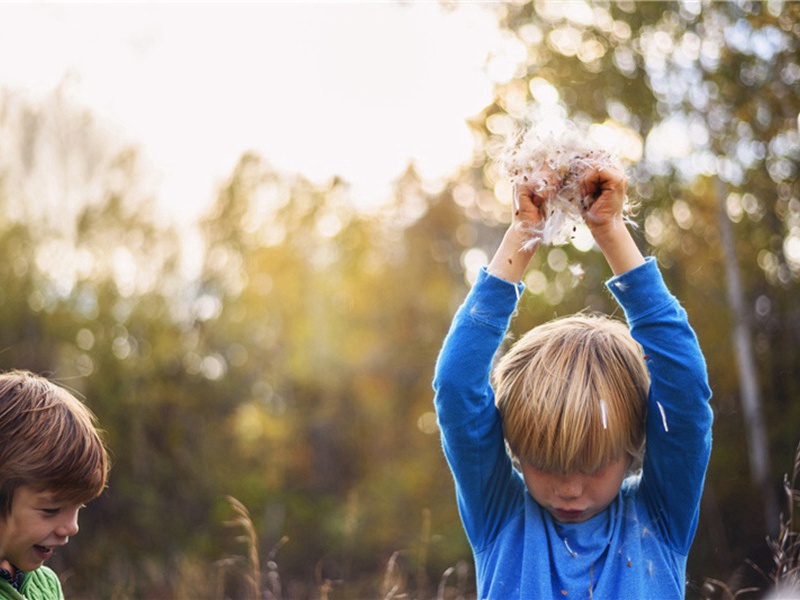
325,322
293,374
91,296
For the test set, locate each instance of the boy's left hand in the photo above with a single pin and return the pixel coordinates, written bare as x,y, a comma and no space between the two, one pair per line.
605,191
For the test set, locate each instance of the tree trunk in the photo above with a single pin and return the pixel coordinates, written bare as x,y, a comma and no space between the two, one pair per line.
755,429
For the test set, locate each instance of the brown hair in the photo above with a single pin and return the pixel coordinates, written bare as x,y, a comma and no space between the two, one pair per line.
48,440
572,394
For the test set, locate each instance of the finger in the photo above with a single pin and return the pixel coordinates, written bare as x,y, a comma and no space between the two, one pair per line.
523,197
592,183
542,190
526,193
598,182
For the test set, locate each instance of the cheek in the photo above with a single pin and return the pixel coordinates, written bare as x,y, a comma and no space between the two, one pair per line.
608,487
537,483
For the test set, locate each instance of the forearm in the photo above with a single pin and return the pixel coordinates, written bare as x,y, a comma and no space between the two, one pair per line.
510,261
618,246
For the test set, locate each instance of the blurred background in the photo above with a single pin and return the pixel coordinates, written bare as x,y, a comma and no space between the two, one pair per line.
239,234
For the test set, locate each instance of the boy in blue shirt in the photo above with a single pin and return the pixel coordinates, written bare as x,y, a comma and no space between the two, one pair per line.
558,497
52,461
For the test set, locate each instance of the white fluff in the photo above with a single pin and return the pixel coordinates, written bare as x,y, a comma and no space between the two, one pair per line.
569,153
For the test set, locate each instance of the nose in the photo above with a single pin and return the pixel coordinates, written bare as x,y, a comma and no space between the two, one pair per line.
68,527
569,487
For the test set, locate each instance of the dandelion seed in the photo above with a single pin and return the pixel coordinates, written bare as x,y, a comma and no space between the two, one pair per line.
572,553
663,416
576,270
603,413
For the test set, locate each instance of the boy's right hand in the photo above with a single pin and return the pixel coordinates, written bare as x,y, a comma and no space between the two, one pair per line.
531,193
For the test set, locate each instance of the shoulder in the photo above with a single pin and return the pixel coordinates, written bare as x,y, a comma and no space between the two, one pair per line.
42,584
7,592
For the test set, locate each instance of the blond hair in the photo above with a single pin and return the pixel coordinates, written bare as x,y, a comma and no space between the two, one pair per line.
572,394
48,440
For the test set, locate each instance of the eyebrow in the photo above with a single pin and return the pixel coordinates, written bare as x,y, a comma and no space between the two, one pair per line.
46,498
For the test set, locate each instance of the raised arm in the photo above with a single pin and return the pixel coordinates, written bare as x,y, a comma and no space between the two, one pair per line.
678,415
472,433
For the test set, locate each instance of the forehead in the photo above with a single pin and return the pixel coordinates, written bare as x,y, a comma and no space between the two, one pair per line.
607,467
29,494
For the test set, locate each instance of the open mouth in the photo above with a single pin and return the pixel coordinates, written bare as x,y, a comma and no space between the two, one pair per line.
43,551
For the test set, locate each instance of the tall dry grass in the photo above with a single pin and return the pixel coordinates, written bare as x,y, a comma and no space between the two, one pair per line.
782,582
243,577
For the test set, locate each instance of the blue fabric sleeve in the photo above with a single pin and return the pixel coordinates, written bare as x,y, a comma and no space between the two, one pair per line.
471,428
679,417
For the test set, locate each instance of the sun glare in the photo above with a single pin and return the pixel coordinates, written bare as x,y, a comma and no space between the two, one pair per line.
352,90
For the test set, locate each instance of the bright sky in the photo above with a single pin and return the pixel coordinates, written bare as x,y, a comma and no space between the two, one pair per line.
321,88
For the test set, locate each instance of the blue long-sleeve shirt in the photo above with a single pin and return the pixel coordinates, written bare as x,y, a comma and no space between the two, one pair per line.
637,547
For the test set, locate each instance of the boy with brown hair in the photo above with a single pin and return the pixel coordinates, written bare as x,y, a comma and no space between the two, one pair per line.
570,407
52,461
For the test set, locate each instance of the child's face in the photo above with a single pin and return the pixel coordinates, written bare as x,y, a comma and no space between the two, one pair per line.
36,525
575,497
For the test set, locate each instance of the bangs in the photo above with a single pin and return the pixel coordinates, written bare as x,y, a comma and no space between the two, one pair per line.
66,454
80,475
572,441
48,441
572,395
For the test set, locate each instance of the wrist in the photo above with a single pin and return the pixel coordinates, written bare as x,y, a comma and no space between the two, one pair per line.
617,245
609,232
